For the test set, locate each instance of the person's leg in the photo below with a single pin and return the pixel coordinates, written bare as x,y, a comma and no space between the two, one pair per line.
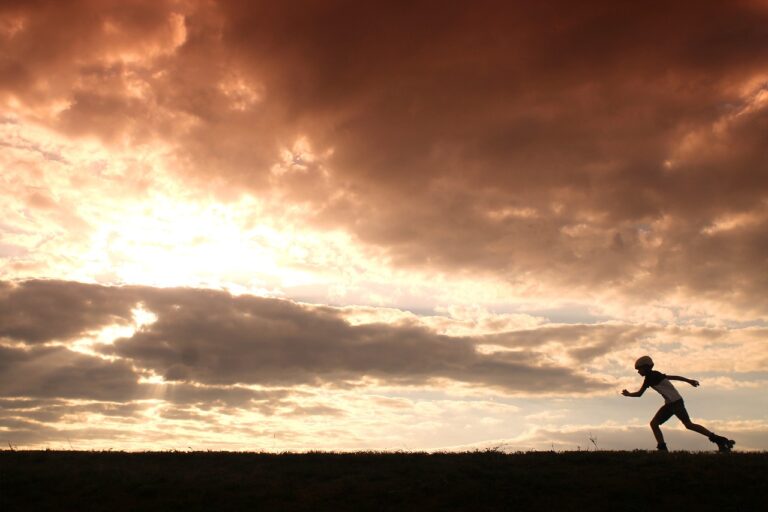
697,428
662,415
681,412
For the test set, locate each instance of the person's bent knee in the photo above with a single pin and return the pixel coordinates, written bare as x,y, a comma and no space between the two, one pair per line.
655,424
690,425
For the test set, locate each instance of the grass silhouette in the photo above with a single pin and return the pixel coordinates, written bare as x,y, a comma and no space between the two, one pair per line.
477,481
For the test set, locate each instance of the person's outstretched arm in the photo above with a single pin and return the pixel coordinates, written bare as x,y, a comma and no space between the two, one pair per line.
692,382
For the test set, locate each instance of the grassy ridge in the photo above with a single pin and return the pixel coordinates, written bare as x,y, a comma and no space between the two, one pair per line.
117,481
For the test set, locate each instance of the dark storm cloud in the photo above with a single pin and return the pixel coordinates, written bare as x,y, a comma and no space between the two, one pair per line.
42,311
75,376
590,144
214,338
55,372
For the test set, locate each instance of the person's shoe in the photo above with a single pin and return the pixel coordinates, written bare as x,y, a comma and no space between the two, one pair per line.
723,444
662,447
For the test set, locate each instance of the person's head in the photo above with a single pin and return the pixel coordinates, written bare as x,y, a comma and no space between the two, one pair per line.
644,365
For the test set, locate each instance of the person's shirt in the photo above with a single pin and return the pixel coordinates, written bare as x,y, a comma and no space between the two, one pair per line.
659,382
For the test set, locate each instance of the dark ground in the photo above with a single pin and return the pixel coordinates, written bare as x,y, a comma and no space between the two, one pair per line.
478,481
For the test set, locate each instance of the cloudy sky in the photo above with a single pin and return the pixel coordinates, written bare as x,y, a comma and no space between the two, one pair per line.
352,225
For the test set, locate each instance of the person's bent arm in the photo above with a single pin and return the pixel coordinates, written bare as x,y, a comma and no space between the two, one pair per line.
634,394
692,382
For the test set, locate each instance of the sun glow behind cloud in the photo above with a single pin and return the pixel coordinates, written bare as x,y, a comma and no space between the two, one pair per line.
150,231
128,221
167,243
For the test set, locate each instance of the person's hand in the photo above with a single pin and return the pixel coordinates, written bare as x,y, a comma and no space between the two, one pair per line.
626,393
695,383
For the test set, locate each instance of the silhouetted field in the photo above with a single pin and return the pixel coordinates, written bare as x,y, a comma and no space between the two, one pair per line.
477,481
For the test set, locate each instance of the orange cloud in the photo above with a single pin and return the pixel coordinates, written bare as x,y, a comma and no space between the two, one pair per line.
510,141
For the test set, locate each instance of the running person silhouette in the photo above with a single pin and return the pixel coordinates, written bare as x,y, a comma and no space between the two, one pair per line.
673,404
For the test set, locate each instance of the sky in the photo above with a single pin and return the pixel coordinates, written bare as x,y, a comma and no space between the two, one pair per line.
339,225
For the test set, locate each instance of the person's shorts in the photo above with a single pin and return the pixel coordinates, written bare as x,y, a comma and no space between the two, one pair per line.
676,408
